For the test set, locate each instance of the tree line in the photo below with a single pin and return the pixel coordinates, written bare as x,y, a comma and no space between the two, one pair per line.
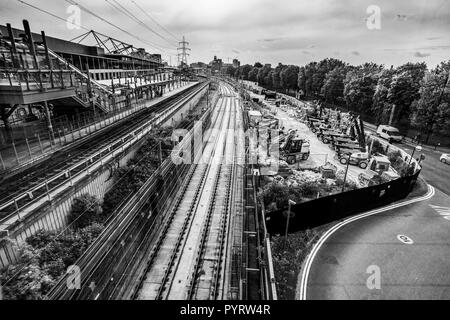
413,95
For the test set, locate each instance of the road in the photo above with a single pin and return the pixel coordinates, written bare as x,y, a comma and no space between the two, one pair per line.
345,262
434,172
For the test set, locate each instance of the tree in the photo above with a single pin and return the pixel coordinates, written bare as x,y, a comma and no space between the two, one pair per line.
289,77
320,71
359,88
276,78
333,88
381,108
258,65
431,112
86,209
268,79
244,71
230,71
263,73
253,74
404,89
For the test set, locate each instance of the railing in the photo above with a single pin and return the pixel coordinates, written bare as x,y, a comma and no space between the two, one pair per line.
71,174
32,80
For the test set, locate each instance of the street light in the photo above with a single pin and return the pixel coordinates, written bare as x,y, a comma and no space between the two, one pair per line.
418,149
346,172
290,202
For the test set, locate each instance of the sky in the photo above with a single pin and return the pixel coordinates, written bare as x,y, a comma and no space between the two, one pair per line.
390,32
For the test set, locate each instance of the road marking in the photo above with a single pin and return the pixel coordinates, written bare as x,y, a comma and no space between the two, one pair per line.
326,235
405,239
443,211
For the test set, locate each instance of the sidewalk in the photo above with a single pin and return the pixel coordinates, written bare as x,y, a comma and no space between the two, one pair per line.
37,148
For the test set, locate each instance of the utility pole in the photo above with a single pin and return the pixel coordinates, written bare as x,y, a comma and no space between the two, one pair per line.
183,52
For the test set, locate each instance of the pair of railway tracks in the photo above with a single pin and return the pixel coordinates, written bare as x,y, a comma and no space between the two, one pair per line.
38,181
187,261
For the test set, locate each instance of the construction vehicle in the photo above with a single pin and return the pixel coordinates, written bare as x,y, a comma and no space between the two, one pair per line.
360,159
327,135
270,95
342,143
379,168
294,148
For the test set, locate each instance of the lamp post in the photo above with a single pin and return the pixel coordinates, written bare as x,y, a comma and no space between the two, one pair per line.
418,149
346,172
290,202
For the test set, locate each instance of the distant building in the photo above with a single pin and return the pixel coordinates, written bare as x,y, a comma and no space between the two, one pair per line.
199,67
216,65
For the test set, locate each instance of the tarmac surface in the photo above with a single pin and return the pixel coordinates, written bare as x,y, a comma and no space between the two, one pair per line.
397,253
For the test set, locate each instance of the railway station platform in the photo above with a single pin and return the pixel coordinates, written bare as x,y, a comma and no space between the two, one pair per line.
14,157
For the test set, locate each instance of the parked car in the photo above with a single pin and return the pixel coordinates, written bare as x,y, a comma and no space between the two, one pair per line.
389,133
445,158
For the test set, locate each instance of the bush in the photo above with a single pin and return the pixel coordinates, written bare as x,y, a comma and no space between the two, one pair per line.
349,185
288,258
25,280
310,189
43,259
86,210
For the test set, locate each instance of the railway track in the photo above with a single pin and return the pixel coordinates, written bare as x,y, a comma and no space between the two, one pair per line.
36,182
176,229
188,259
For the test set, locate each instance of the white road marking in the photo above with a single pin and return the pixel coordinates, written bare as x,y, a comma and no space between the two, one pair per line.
405,239
326,235
443,211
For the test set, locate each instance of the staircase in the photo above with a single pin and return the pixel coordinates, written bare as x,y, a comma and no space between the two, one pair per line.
100,92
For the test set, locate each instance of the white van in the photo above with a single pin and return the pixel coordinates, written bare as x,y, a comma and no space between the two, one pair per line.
389,133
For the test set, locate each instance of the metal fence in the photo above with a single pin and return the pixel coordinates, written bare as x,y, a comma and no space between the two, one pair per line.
328,209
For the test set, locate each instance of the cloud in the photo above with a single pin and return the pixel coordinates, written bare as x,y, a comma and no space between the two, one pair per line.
434,48
272,39
236,51
355,53
419,54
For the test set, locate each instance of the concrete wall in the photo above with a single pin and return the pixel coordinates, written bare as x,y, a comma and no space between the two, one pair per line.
181,113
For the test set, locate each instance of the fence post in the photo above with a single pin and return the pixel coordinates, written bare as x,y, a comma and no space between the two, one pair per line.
15,152
29,149
1,160
17,209
40,143
50,140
